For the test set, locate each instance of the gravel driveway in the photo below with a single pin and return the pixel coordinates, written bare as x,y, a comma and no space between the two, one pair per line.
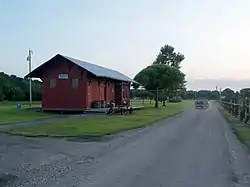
194,149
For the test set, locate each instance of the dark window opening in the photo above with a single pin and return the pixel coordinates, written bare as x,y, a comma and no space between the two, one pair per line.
74,83
52,83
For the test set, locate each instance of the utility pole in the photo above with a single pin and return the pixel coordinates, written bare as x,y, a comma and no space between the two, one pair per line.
29,58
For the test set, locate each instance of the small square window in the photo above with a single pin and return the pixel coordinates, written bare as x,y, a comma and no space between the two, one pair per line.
74,83
52,83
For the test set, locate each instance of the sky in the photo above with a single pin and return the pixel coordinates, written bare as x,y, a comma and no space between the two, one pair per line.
214,36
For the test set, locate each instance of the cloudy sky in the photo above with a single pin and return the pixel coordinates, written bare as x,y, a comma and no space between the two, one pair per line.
127,35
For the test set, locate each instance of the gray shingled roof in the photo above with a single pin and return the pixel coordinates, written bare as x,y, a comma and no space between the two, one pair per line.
100,71
97,70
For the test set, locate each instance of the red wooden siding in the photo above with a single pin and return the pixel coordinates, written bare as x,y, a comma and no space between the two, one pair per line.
63,96
110,91
80,89
99,91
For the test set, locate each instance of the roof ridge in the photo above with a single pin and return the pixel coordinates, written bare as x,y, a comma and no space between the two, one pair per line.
80,60
91,63
99,70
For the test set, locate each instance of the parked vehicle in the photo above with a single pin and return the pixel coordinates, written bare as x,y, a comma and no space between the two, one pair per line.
201,103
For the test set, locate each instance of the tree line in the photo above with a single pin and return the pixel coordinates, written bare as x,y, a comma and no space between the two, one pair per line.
227,94
184,94
13,88
230,95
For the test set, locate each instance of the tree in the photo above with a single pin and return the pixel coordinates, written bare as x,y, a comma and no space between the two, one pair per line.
17,88
160,76
190,94
245,92
163,97
1,95
132,93
169,57
215,95
204,94
19,94
228,93
144,94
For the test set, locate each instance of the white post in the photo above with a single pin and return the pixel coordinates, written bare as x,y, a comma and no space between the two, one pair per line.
29,59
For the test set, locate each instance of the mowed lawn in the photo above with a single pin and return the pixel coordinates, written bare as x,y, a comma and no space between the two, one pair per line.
106,124
9,113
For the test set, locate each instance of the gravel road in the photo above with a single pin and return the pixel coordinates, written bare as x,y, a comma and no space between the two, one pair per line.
193,149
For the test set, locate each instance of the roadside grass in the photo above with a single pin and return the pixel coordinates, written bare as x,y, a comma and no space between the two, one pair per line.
105,125
239,128
10,114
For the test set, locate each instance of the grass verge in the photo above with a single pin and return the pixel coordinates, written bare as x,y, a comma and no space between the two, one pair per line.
103,125
10,114
239,128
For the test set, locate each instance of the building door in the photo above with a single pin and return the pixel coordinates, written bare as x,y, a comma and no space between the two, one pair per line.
89,96
105,93
118,94
101,92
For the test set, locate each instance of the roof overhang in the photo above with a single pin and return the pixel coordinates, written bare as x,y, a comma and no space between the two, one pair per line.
37,72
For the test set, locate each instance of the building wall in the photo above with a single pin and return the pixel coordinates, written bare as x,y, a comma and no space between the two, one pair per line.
122,92
63,96
126,92
100,90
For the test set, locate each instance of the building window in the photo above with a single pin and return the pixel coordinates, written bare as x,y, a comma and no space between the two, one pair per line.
74,83
52,83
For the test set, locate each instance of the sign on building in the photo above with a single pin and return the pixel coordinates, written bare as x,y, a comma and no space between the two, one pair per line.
63,76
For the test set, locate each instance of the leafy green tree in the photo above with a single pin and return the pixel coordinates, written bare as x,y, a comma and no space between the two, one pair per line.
19,94
144,94
1,95
190,94
204,94
245,92
160,76
237,95
16,88
132,93
228,93
163,97
215,95
168,56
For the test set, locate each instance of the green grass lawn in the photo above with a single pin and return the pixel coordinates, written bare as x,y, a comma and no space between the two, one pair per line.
106,124
13,103
10,114
145,103
241,131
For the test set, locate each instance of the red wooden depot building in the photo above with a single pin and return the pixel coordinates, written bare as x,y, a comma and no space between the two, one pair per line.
72,85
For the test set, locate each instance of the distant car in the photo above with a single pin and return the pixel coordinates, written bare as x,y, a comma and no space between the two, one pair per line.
201,103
